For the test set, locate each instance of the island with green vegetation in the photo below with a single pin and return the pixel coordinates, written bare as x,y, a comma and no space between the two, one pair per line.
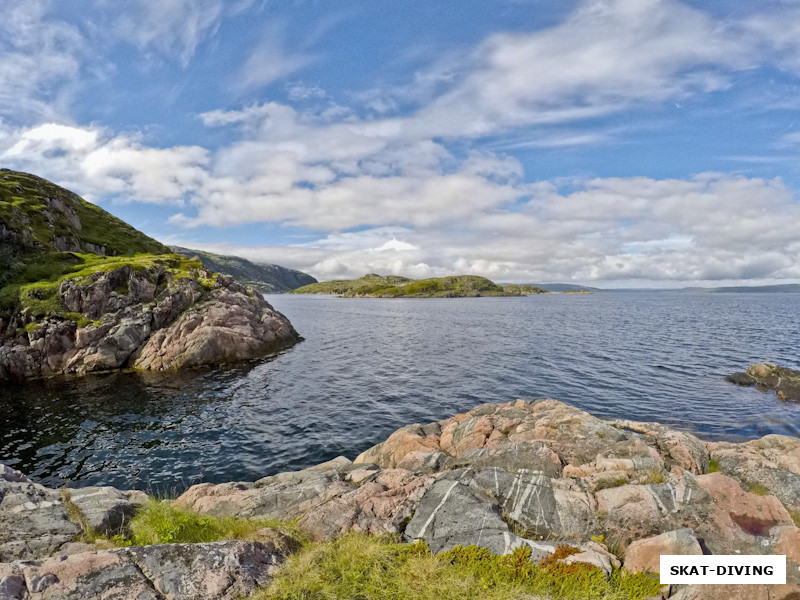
394,286
81,291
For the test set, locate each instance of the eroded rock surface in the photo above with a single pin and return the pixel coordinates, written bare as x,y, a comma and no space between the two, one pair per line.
213,571
518,473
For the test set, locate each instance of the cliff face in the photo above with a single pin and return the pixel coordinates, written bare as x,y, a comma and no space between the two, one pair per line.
81,291
266,278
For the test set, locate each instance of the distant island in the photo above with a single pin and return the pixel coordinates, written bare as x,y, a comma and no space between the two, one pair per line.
394,286
264,277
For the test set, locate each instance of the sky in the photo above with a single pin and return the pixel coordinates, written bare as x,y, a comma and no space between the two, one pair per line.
615,143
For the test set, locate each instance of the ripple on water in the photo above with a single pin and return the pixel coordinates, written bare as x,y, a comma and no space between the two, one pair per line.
368,367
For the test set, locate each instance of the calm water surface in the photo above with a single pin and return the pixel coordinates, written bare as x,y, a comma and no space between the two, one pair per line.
369,366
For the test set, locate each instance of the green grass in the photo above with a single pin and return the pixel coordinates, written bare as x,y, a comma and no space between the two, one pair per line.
35,287
654,476
28,203
357,566
159,522
604,484
713,466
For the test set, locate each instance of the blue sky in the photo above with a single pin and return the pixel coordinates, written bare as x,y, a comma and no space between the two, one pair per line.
607,142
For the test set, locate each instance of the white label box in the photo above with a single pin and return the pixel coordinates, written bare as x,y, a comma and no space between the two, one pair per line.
723,568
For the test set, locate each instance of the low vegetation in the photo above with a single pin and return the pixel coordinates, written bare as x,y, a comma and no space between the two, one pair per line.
393,286
378,568
370,568
159,522
35,286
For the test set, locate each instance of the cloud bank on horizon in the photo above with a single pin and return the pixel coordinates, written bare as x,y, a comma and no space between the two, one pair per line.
610,142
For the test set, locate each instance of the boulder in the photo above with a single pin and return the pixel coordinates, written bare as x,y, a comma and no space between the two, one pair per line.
772,462
769,376
107,510
147,318
645,554
33,521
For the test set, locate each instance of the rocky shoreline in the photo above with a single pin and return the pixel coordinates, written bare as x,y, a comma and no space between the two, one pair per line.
525,473
149,318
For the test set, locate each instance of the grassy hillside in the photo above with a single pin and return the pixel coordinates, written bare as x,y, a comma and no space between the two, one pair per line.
392,286
266,278
49,234
42,225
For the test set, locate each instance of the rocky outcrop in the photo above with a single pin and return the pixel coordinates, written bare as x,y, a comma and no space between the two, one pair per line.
768,376
150,317
538,474
35,521
212,571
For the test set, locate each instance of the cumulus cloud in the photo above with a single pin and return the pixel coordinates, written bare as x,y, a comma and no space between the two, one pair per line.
408,193
709,228
96,163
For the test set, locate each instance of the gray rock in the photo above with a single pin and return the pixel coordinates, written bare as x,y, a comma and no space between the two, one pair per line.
33,521
450,514
532,456
107,510
742,379
769,376
149,319
12,475
275,497
214,571
219,570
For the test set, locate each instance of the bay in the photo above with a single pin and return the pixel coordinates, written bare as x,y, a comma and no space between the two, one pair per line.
369,366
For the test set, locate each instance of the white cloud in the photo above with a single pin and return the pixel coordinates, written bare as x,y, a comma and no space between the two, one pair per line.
172,27
40,62
269,62
95,163
711,227
607,55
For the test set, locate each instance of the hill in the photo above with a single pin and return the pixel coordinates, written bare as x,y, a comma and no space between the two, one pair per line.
82,291
40,223
394,286
266,278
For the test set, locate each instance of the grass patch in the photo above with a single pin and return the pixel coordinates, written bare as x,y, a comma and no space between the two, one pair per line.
654,476
35,287
370,568
88,534
713,466
391,286
605,484
159,522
